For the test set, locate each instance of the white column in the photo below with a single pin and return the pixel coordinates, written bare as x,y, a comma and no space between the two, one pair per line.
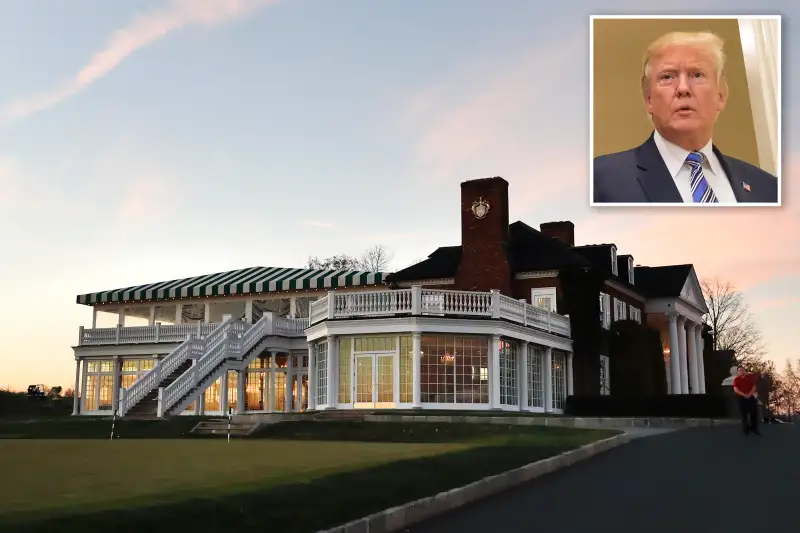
522,374
292,307
178,313
201,403
117,382
570,382
674,355
494,372
300,395
241,384
701,366
152,318
248,310
682,347
121,315
289,368
223,393
76,394
272,367
416,395
547,379
691,345
333,353
94,317
207,313
312,378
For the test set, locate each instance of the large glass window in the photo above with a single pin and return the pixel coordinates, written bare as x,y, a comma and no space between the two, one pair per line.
213,396
454,369
508,373
535,376
406,369
133,369
559,380
98,395
322,372
233,389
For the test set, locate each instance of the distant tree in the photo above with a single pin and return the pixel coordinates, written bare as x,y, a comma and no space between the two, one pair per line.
69,393
374,259
732,325
55,392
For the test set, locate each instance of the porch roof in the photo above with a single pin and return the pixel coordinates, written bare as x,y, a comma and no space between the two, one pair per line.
252,280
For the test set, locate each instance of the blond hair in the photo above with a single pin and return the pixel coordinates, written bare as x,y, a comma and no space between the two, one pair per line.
706,41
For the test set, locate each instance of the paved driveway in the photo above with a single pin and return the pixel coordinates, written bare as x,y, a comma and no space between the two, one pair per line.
697,480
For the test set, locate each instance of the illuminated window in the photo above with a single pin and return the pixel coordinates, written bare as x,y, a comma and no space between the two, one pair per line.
98,395
544,298
535,377
322,372
508,373
406,369
559,380
454,369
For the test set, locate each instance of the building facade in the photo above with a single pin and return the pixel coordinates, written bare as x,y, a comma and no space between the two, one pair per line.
513,318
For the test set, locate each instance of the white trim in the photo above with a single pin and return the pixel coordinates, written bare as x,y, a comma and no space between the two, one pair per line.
430,324
537,274
436,281
614,261
617,286
546,292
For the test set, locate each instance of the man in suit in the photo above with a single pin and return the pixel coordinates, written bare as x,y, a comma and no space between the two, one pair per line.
684,90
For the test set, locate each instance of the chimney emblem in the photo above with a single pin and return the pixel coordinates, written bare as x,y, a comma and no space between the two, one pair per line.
480,208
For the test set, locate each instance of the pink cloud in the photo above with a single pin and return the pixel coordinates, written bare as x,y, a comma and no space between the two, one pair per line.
145,29
141,198
471,118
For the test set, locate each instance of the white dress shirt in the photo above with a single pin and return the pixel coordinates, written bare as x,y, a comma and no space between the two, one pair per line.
675,158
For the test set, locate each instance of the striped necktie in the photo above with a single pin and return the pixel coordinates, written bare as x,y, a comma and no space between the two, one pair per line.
701,190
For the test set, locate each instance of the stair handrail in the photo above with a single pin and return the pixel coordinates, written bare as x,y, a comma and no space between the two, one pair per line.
235,346
189,379
189,349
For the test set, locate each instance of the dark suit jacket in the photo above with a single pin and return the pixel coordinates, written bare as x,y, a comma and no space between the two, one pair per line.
640,175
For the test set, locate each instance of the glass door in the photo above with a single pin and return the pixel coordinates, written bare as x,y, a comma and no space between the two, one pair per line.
374,381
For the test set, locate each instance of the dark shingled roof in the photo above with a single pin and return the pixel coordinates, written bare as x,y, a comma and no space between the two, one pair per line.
528,250
662,281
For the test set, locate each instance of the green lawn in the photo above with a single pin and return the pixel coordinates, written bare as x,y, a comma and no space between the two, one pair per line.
293,477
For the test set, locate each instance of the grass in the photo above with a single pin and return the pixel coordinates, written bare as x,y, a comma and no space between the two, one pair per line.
97,428
294,477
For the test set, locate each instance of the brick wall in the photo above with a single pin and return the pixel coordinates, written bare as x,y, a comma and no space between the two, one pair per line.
484,262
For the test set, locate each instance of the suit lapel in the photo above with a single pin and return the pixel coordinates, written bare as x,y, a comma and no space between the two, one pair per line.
653,175
734,179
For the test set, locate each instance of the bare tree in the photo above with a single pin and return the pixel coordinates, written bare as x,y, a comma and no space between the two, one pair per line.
732,324
376,259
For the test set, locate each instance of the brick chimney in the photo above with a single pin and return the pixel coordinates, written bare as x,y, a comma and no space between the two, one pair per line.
484,236
563,231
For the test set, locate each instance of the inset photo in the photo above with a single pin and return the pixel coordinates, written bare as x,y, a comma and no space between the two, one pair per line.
685,110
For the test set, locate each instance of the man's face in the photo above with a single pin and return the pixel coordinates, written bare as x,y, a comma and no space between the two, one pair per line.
684,98
741,371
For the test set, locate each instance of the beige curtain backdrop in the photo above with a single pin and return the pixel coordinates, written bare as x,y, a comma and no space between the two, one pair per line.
620,120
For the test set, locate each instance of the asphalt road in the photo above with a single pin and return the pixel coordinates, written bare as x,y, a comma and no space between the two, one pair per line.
700,480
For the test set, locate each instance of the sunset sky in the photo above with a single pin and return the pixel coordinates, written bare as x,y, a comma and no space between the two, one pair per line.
146,140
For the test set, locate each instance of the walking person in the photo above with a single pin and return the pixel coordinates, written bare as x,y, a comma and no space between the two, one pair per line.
744,385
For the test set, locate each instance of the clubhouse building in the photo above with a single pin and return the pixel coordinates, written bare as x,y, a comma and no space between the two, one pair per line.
495,323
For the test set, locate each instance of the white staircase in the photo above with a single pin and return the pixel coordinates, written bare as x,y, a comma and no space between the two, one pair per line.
188,350
240,343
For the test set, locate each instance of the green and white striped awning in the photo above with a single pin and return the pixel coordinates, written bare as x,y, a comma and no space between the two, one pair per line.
253,280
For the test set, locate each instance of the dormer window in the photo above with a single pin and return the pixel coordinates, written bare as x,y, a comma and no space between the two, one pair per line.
630,270
614,269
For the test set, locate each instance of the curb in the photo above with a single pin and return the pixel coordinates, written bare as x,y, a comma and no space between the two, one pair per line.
560,421
403,516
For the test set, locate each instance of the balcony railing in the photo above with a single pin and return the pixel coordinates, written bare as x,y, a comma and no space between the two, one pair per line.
287,327
418,301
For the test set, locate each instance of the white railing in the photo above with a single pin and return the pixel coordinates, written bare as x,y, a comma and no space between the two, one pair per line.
290,327
189,349
239,339
142,334
419,301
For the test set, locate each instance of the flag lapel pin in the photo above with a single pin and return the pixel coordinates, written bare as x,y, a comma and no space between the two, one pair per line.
745,186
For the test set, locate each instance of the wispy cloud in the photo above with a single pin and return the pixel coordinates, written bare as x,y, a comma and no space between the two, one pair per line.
145,28
319,224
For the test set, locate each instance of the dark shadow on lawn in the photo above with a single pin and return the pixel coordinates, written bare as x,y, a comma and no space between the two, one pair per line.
305,507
